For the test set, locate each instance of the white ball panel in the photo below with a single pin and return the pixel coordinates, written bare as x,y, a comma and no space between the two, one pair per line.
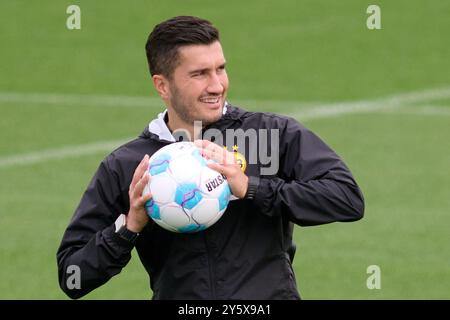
185,169
174,215
205,211
163,188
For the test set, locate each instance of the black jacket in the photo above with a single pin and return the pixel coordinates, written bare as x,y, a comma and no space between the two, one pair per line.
247,254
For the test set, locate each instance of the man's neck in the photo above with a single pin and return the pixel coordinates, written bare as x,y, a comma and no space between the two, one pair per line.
174,124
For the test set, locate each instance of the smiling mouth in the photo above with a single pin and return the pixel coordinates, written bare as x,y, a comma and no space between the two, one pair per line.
211,100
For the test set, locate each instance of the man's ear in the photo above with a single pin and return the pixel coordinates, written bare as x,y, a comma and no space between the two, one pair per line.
161,85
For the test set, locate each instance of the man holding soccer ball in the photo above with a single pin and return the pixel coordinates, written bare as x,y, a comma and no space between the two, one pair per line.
248,253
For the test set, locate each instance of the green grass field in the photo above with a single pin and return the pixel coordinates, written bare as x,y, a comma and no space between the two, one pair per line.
67,97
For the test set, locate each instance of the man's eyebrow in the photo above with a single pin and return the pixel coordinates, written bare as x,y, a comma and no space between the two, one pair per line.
198,70
205,69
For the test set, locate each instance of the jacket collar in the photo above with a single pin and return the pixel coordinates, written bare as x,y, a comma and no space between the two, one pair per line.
159,127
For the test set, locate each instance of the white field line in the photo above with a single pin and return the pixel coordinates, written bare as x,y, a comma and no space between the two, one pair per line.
319,111
388,103
59,153
434,111
309,109
78,99
58,99
422,110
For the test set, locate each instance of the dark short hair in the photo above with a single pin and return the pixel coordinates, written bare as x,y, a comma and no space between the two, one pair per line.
165,39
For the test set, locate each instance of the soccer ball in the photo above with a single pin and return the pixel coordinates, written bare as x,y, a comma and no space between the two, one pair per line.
187,195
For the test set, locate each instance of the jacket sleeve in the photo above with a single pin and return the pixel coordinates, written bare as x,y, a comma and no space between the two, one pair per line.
313,185
90,244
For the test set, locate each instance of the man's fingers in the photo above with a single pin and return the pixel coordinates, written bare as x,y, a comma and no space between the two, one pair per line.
140,170
206,145
220,168
210,154
216,166
213,151
228,157
146,197
202,143
140,185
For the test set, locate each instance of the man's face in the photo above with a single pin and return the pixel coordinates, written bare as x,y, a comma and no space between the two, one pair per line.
199,84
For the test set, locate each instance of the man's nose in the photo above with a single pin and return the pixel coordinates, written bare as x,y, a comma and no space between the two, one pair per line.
215,85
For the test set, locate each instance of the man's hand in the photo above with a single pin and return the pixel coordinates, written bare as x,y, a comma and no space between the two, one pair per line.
226,165
137,217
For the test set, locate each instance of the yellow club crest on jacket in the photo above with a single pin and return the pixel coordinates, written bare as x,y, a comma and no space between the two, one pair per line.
240,159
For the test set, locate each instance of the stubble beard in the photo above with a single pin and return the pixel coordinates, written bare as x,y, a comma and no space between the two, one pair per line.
183,109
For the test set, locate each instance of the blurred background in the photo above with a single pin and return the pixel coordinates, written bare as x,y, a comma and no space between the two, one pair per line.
379,98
